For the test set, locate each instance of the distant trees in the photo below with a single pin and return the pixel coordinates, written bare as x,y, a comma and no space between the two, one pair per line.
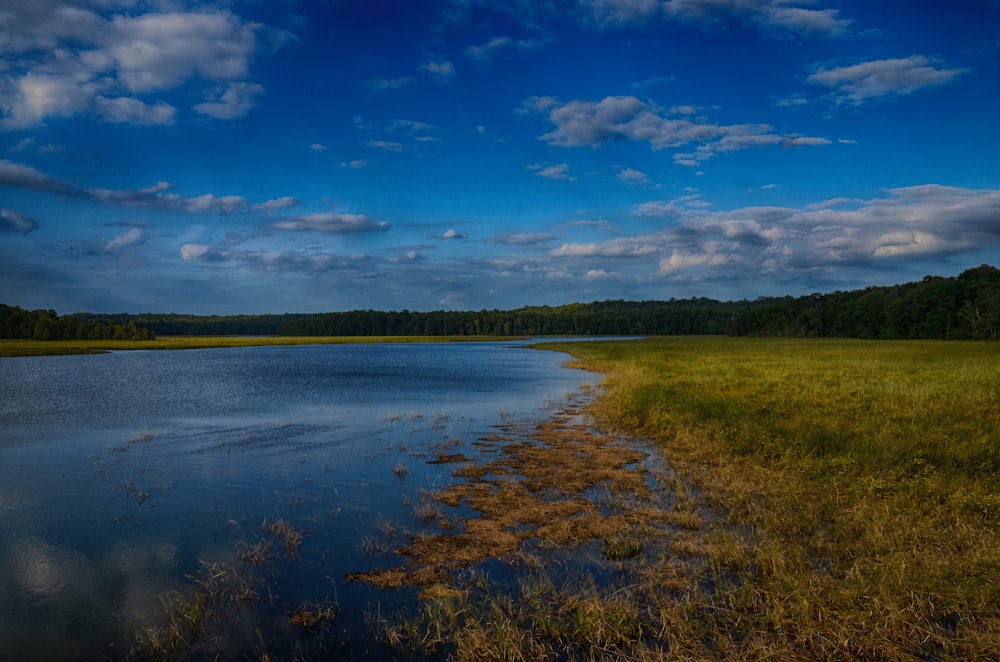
17,323
963,307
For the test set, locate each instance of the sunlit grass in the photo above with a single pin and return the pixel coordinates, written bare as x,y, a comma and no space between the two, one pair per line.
860,482
58,347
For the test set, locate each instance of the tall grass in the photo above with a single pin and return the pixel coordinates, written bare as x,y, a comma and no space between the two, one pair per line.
858,482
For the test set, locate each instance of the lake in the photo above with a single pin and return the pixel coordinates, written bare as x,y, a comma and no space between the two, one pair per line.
123,474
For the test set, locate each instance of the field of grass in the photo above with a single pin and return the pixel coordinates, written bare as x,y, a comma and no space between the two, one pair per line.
848,494
56,347
858,484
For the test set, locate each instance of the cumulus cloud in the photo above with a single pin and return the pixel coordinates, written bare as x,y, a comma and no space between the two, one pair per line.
905,224
878,79
12,221
451,233
596,123
601,274
630,247
632,176
331,222
70,60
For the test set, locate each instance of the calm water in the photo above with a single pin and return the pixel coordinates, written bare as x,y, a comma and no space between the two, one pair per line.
120,473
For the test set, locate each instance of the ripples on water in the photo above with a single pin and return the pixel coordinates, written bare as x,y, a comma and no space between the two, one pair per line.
120,473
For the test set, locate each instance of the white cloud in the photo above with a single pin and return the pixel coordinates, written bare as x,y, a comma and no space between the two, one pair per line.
133,236
593,124
451,233
194,252
601,274
497,46
21,145
332,222
133,111
71,60
12,221
883,78
632,176
773,16
442,71
316,147
630,247
233,102
558,171
276,204
678,261
614,14
389,145
160,51
17,175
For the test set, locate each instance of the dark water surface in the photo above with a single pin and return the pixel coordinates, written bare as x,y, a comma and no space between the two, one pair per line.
121,473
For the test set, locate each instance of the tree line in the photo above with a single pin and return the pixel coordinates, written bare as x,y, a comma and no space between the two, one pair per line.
966,306
19,324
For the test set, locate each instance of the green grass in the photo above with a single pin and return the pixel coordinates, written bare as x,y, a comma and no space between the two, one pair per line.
859,482
58,347
852,511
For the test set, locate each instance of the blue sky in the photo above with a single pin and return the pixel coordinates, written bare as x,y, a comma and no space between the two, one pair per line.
257,157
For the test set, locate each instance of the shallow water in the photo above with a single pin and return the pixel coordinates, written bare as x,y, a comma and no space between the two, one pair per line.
121,473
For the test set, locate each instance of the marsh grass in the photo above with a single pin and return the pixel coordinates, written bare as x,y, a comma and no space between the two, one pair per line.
857,483
195,619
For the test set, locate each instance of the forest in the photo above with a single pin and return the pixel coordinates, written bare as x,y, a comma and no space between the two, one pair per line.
966,306
19,324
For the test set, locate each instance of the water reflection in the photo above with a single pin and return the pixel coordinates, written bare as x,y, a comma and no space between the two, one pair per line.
121,474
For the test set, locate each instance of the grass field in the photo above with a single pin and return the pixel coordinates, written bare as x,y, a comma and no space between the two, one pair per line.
57,347
859,482
849,502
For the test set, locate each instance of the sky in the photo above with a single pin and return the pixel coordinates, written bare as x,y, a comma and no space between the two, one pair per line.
253,156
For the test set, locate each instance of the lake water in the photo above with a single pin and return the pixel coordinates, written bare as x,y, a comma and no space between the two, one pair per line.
122,473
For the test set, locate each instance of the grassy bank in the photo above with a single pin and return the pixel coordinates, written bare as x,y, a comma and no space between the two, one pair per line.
832,500
857,486
57,347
